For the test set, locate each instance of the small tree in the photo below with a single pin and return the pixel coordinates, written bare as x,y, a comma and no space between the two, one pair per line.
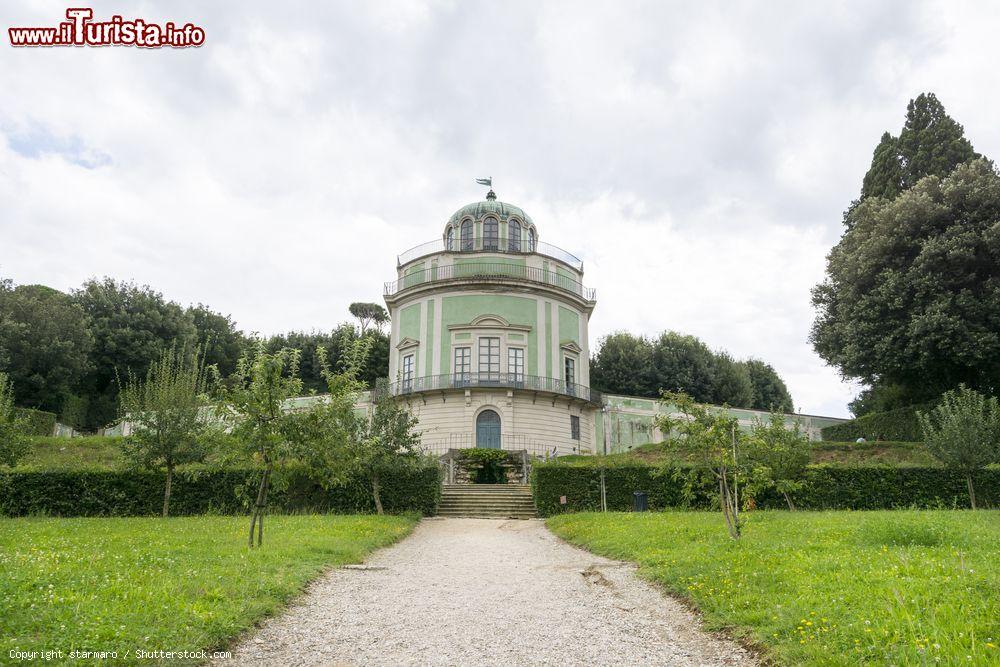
386,439
963,432
369,314
709,438
14,444
169,415
272,435
779,455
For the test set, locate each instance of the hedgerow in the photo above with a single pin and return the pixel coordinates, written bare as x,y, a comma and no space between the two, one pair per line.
900,424
199,491
826,487
38,422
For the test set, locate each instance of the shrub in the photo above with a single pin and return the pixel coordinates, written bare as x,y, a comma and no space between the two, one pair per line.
203,490
39,422
900,424
824,487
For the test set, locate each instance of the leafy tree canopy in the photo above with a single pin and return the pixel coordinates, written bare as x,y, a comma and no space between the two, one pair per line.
912,295
131,327
637,366
369,314
769,390
221,342
46,344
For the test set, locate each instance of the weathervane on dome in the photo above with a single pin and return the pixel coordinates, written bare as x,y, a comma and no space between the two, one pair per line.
488,181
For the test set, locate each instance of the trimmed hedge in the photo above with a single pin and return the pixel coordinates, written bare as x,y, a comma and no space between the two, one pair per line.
140,493
900,424
39,421
826,487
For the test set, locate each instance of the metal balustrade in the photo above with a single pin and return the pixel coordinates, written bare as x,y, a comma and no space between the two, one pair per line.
491,271
490,244
498,381
446,442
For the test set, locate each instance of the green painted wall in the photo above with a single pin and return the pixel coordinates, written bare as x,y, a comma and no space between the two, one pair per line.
409,322
548,334
429,349
569,326
462,309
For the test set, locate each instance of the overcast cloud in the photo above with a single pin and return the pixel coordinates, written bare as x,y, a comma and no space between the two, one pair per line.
698,156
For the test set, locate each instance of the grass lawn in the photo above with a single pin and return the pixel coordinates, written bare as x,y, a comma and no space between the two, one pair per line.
154,584
73,453
824,588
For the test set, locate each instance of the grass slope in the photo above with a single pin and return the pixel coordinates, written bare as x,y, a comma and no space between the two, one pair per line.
73,453
163,584
824,588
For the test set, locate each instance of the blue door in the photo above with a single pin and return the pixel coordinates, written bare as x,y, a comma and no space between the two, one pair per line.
488,430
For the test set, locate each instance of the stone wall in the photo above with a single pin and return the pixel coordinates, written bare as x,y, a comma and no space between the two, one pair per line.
459,469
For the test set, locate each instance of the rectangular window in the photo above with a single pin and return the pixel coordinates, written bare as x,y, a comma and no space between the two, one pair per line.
574,427
408,372
489,359
569,374
463,365
569,370
515,363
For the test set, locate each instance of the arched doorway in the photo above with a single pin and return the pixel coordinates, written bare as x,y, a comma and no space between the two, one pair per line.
488,430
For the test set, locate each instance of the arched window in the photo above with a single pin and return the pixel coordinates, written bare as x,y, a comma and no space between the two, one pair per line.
488,430
513,236
491,234
466,235
531,240
450,244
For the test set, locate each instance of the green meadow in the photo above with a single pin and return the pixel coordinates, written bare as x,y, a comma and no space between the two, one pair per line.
824,588
153,584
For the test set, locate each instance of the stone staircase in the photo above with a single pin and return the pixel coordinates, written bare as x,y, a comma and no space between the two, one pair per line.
487,501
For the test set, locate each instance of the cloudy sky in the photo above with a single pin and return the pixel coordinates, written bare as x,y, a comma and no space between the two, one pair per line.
698,156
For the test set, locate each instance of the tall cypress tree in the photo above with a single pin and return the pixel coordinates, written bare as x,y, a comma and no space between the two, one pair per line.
885,176
930,143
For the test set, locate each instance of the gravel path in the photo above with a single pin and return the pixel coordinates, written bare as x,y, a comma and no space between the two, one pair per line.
484,592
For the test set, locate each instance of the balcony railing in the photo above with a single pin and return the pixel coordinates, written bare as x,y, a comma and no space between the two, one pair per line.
490,244
439,444
491,272
498,381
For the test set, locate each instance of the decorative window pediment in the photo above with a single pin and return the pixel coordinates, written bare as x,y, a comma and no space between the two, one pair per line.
407,343
571,346
489,322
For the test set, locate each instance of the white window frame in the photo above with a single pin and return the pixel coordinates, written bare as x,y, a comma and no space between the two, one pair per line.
408,366
492,356
515,363
462,361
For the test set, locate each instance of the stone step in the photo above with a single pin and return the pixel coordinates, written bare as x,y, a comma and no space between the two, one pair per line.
484,489
494,517
487,494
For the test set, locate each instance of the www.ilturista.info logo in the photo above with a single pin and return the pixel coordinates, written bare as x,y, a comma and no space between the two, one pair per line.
81,30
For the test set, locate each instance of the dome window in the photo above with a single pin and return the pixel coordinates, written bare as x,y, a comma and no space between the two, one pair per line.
466,235
491,234
531,240
514,236
450,243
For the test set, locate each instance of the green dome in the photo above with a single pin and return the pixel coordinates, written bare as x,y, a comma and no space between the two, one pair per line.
500,209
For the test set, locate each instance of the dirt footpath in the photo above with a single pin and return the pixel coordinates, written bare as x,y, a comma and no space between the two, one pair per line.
484,592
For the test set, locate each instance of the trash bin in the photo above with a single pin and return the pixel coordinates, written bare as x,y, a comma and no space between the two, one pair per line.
639,502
